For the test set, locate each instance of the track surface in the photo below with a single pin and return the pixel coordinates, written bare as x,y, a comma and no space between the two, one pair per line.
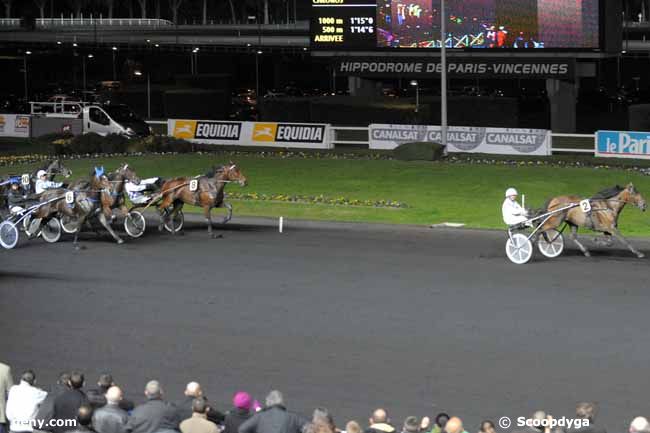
347,316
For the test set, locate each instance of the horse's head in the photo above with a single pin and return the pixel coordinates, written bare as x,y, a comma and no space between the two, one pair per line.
56,167
126,172
232,173
632,195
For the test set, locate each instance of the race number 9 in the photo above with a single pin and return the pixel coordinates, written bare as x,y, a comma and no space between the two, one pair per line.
24,179
194,185
585,206
69,197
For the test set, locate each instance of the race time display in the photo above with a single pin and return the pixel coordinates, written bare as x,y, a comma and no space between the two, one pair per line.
487,24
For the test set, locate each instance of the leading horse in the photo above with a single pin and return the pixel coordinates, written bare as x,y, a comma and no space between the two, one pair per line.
209,193
606,206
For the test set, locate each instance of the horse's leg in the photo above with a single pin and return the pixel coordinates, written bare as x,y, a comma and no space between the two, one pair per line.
617,234
228,216
574,238
208,218
80,224
163,212
102,219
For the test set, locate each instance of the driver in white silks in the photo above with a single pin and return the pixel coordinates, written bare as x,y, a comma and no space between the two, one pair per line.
42,183
136,192
513,213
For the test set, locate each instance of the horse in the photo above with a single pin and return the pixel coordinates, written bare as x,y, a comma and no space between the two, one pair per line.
85,199
118,179
209,193
606,207
106,199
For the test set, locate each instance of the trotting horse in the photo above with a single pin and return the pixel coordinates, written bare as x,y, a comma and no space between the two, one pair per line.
606,207
105,199
209,193
85,202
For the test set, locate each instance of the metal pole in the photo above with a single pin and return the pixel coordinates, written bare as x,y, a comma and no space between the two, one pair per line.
114,73
417,97
148,96
443,75
25,75
257,79
83,67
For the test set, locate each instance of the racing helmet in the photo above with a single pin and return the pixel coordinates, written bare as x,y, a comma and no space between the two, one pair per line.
41,173
511,191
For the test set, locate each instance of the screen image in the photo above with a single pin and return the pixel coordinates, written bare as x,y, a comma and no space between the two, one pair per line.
513,24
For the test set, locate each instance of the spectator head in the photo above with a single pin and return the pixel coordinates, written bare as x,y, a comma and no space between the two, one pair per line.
379,416
441,419
193,389
29,377
242,400
352,427
323,416
425,423
454,425
153,390
411,425
586,410
640,425
84,415
105,381
114,395
64,379
76,380
275,398
200,405
487,426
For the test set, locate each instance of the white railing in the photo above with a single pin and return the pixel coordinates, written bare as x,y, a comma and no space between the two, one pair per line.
335,130
57,109
100,21
10,22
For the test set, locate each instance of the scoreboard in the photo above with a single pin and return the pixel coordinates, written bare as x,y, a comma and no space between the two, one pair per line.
343,24
367,25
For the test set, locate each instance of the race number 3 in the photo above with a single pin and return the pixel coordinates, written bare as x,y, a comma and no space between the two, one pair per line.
194,185
585,206
24,179
69,197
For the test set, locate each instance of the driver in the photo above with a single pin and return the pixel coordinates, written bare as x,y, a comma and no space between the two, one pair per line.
136,192
16,197
42,183
512,211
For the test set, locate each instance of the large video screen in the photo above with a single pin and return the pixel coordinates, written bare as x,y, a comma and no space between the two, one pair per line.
489,23
480,24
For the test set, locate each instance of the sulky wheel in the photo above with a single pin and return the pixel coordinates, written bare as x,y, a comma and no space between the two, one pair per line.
135,224
8,235
519,249
179,220
69,224
51,230
550,243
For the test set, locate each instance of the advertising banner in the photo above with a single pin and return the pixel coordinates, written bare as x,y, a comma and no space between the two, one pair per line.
264,134
14,125
498,141
623,144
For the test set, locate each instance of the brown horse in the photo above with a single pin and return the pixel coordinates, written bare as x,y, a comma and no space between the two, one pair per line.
606,206
105,198
86,199
209,193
